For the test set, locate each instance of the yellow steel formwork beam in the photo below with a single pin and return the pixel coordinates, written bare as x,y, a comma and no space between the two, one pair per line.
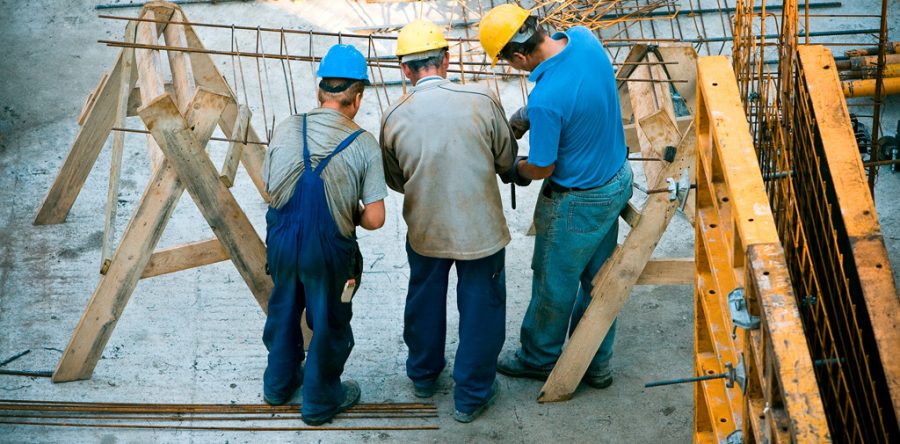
856,319
737,245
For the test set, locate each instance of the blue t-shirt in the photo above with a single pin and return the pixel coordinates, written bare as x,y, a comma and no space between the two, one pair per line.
574,112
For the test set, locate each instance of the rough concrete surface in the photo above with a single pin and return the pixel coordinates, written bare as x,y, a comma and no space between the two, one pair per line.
195,336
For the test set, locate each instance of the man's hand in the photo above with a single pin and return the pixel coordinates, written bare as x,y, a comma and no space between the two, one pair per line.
512,174
519,122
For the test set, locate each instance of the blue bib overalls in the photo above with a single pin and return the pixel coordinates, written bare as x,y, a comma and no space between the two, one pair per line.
310,262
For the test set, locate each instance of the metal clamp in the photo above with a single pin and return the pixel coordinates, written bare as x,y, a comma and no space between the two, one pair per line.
679,190
740,316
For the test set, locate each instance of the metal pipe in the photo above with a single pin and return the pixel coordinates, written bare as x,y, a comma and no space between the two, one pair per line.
36,374
222,429
684,380
869,87
177,2
220,139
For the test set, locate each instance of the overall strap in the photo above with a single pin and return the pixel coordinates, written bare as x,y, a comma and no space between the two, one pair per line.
344,144
306,162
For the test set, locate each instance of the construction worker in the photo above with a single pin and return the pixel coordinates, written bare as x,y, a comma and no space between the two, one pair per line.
443,145
577,145
318,168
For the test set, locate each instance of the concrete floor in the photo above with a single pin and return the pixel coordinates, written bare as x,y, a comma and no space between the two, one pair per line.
194,336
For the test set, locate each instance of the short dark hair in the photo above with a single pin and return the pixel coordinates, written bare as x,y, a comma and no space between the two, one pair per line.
525,48
418,65
345,90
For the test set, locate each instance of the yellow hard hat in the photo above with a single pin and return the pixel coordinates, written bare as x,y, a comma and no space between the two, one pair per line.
420,36
498,27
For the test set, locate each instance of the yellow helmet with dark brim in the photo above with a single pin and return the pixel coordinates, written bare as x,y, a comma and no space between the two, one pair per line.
499,27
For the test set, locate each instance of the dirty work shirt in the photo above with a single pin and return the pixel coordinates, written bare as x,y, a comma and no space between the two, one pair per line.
353,175
443,146
576,122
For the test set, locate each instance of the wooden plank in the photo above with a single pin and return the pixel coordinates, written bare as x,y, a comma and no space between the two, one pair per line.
631,134
235,149
646,99
182,78
613,283
216,203
130,259
208,76
184,257
89,102
149,77
629,214
126,85
83,154
679,271
685,70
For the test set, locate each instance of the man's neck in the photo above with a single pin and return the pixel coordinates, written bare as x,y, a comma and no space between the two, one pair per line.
430,72
549,48
345,110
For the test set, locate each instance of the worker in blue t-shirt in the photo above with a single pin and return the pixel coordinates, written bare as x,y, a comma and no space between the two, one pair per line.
578,146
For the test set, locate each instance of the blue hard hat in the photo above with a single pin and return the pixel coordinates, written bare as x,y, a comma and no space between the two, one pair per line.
343,61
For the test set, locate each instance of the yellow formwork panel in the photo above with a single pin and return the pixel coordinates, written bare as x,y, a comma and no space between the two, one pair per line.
737,245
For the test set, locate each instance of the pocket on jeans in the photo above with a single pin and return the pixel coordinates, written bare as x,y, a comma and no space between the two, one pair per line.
589,216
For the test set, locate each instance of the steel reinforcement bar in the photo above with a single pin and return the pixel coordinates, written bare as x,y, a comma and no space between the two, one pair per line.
747,323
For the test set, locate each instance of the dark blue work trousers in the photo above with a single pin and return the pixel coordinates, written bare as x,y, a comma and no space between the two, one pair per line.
481,300
310,262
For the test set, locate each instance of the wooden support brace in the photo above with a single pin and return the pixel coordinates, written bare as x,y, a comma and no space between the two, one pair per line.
613,283
216,203
126,85
678,271
184,257
130,259
235,149
149,77
208,76
98,122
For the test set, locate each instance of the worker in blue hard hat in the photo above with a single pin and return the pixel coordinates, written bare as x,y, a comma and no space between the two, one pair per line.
324,176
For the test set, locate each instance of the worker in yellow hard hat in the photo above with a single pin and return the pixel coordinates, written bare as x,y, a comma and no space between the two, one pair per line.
577,146
443,145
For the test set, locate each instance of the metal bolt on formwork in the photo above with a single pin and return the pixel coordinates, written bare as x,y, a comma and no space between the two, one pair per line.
731,375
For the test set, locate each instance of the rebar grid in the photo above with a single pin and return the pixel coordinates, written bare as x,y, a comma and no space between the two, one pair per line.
802,195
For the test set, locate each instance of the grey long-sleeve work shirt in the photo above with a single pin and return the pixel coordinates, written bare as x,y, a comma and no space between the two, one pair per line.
443,145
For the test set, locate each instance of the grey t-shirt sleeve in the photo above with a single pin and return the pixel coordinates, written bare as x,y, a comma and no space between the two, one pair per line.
374,188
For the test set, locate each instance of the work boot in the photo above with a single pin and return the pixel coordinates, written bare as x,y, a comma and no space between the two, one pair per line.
351,398
469,417
510,365
295,384
425,389
598,380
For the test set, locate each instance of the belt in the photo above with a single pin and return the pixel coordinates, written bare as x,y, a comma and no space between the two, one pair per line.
553,187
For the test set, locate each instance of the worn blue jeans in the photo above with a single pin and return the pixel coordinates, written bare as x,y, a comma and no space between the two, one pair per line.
576,233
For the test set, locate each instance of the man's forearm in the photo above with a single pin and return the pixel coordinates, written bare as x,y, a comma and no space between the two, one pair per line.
535,172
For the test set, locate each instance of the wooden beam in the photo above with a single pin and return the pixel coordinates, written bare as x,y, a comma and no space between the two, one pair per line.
208,76
613,283
130,259
630,214
685,69
678,271
126,85
184,257
631,134
216,203
182,79
81,158
149,77
235,149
